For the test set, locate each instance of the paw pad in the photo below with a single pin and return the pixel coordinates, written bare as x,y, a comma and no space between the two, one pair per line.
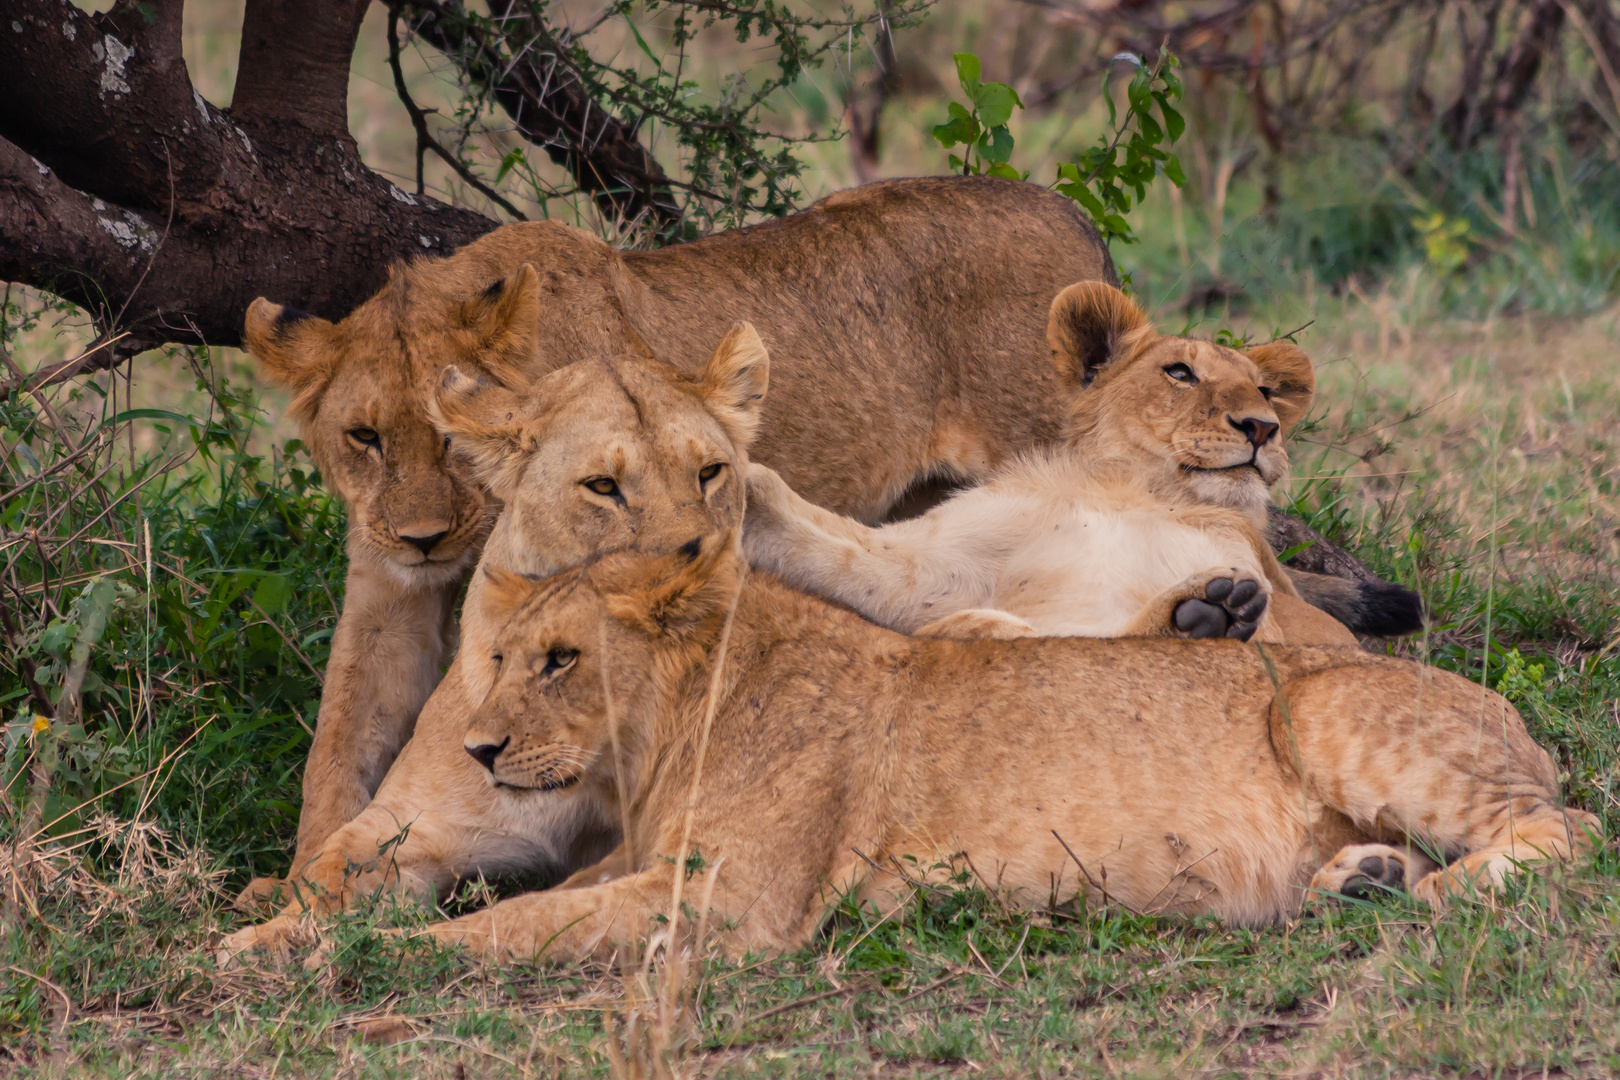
1374,874
1231,607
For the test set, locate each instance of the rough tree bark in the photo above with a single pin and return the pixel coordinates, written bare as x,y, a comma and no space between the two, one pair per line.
124,191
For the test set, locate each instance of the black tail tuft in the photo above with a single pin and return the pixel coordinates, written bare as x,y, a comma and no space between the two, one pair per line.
1386,610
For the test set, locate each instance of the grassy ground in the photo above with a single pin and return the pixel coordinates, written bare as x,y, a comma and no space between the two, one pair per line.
1465,441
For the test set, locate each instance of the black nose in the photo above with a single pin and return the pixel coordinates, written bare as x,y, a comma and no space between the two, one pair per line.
1258,432
424,544
486,753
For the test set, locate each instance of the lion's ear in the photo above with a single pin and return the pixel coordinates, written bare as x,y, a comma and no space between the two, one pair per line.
505,318
1090,325
504,594
735,381
1287,370
484,423
292,347
680,594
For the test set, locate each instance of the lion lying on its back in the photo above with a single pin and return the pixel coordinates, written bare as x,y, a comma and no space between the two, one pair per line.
1148,520
842,756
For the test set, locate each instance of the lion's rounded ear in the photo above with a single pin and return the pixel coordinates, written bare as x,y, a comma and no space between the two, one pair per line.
680,594
735,381
1090,325
505,318
484,423
1287,370
504,594
292,347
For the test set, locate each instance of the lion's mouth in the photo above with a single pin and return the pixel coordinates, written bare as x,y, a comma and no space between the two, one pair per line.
1250,464
559,784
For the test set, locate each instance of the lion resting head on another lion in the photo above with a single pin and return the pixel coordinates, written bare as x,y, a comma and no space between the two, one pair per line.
838,758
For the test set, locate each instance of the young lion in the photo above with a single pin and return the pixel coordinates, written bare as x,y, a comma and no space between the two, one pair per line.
1216,777
1147,520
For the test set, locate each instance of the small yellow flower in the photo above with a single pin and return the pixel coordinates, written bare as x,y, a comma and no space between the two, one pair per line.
41,725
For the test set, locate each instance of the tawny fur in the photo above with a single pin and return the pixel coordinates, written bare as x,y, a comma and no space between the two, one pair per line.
675,448
914,307
1202,777
1154,492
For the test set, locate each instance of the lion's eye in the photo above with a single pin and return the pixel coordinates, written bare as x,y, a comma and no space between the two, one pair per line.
558,659
365,437
709,472
1266,392
1182,374
603,485
447,442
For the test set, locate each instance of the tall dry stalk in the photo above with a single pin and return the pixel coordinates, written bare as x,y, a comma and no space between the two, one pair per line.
652,1036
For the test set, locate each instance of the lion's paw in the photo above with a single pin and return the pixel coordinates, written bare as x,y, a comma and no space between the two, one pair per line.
262,892
1364,871
278,936
1228,605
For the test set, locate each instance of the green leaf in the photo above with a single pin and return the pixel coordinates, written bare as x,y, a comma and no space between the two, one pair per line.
960,128
273,593
996,102
1173,122
1006,172
967,72
1172,169
996,146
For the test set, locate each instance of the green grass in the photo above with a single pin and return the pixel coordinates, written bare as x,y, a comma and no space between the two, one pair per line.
1463,443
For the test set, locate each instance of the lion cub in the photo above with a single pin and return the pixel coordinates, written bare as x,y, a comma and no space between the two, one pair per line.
1148,520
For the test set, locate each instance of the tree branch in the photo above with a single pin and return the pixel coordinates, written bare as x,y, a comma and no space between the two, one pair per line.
550,107
98,97
294,65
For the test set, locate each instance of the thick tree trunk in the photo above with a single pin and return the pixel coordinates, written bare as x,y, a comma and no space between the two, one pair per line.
122,190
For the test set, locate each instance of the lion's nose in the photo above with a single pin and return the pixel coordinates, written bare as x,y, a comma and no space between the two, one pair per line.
486,753
424,543
1258,432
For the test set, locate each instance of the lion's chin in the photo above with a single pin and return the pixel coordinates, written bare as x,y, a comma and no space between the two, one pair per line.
1241,486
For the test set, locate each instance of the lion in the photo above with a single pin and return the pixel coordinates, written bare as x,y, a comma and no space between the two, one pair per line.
597,455
841,759
914,307
1147,519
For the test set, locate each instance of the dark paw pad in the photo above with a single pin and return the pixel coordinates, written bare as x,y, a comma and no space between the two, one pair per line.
1375,875
1229,609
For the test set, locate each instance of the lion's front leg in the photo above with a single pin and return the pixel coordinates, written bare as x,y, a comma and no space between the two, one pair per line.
973,623
566,924
387,652
1222,602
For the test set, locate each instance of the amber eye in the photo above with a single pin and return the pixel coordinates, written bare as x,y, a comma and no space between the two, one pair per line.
559,659
603,485
1266,392
1182,374
365,437
710,471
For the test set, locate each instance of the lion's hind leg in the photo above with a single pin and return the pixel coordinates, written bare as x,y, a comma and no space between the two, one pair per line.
1364,871
1545,833
1401,749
